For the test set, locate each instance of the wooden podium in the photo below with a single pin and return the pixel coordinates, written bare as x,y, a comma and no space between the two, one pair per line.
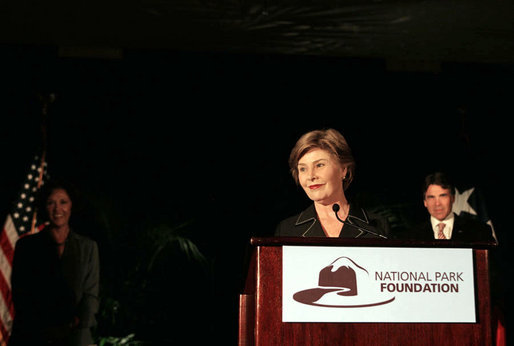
260,305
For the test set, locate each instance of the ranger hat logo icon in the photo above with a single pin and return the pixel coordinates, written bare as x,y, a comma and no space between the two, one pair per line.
343,284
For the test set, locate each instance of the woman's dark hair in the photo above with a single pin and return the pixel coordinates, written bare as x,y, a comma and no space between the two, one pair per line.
46,190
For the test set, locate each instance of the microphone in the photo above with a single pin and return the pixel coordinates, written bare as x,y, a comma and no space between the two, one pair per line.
336,208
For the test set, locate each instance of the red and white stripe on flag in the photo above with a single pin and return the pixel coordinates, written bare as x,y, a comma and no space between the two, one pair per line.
20,221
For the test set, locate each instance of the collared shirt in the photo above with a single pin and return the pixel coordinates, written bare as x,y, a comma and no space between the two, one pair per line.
306,224
448,221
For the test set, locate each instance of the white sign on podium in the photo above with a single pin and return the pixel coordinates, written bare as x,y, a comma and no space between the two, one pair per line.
373,284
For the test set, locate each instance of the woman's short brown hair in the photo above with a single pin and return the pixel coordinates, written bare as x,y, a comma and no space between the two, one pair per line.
329,140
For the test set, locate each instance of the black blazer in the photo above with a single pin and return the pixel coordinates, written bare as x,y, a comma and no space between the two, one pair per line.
464,229
306,224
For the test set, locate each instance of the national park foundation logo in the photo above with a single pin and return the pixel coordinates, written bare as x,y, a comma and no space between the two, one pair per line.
344,284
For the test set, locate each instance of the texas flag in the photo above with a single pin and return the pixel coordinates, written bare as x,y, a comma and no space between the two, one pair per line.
471,201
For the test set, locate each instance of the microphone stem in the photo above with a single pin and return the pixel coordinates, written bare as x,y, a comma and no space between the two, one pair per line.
336,207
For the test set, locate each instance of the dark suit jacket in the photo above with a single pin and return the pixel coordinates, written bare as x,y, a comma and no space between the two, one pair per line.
464,229
306,224
47,291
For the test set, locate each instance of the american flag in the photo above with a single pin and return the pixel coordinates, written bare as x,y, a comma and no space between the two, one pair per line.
20,221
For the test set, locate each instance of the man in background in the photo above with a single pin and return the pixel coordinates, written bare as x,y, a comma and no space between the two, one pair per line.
438,199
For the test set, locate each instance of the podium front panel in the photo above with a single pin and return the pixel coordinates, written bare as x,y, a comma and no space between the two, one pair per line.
262,324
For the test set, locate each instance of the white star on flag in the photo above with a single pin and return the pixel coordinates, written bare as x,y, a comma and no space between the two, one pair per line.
461,202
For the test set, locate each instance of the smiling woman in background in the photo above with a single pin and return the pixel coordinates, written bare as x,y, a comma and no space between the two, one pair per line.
322,163
55,278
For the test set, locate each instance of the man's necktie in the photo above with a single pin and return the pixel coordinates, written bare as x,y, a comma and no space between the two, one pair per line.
441,234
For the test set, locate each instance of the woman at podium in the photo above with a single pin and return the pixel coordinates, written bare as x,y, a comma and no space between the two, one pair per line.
322,163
